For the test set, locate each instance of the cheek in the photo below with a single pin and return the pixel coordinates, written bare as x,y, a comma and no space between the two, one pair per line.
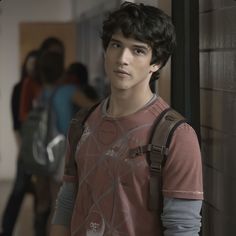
144,69
143,72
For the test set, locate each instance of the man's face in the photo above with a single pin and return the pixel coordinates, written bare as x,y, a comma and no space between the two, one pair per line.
127,62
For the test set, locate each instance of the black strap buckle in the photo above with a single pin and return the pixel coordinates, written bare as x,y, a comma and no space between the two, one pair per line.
158,149
155,169
157,154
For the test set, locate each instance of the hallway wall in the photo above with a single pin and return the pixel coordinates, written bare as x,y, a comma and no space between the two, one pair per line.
218,114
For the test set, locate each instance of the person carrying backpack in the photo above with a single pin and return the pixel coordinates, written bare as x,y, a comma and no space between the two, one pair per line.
109,176
43,124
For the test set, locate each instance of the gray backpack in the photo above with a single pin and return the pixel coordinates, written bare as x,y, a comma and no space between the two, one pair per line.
43,147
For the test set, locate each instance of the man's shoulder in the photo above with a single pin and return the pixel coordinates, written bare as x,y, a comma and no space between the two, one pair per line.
157,106
185,132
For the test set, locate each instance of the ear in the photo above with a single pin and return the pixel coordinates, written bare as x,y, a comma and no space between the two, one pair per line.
154,68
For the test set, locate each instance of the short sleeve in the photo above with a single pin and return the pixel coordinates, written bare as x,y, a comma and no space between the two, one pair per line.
182,174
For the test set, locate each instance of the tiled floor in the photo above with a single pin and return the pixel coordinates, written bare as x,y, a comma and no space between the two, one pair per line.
24,225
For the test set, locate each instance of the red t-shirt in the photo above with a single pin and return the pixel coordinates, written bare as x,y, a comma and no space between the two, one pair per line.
113,187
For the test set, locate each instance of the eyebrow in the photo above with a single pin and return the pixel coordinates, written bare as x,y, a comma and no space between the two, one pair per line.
141,46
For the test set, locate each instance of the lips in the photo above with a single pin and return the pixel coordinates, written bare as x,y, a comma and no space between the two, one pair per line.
121,72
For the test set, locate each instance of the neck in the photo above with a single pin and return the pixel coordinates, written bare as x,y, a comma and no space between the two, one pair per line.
123,104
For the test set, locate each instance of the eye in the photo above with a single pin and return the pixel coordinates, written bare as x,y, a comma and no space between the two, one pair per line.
139,51
114,45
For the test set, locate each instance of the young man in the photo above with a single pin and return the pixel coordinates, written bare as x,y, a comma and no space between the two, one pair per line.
108,192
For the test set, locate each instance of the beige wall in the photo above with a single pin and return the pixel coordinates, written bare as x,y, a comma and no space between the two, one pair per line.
33,33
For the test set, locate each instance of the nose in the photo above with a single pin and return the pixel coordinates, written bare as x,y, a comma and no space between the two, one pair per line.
124,56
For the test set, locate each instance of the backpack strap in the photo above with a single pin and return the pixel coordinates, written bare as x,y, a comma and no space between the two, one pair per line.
74,134
163,130
157,152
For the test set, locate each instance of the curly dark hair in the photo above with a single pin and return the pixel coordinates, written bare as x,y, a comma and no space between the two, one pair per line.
52,44
145,23
80,71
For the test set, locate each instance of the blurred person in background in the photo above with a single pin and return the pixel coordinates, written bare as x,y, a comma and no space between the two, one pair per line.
32,90
32,87
50,68
24,97
42,188
23,181
74,93
27,73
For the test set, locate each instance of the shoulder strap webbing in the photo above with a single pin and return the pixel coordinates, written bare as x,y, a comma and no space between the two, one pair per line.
163,130
75,132
77,125
157,150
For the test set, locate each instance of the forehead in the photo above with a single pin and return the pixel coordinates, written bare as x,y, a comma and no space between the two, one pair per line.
119,36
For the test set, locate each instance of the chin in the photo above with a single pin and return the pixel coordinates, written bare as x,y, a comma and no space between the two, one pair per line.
121,88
